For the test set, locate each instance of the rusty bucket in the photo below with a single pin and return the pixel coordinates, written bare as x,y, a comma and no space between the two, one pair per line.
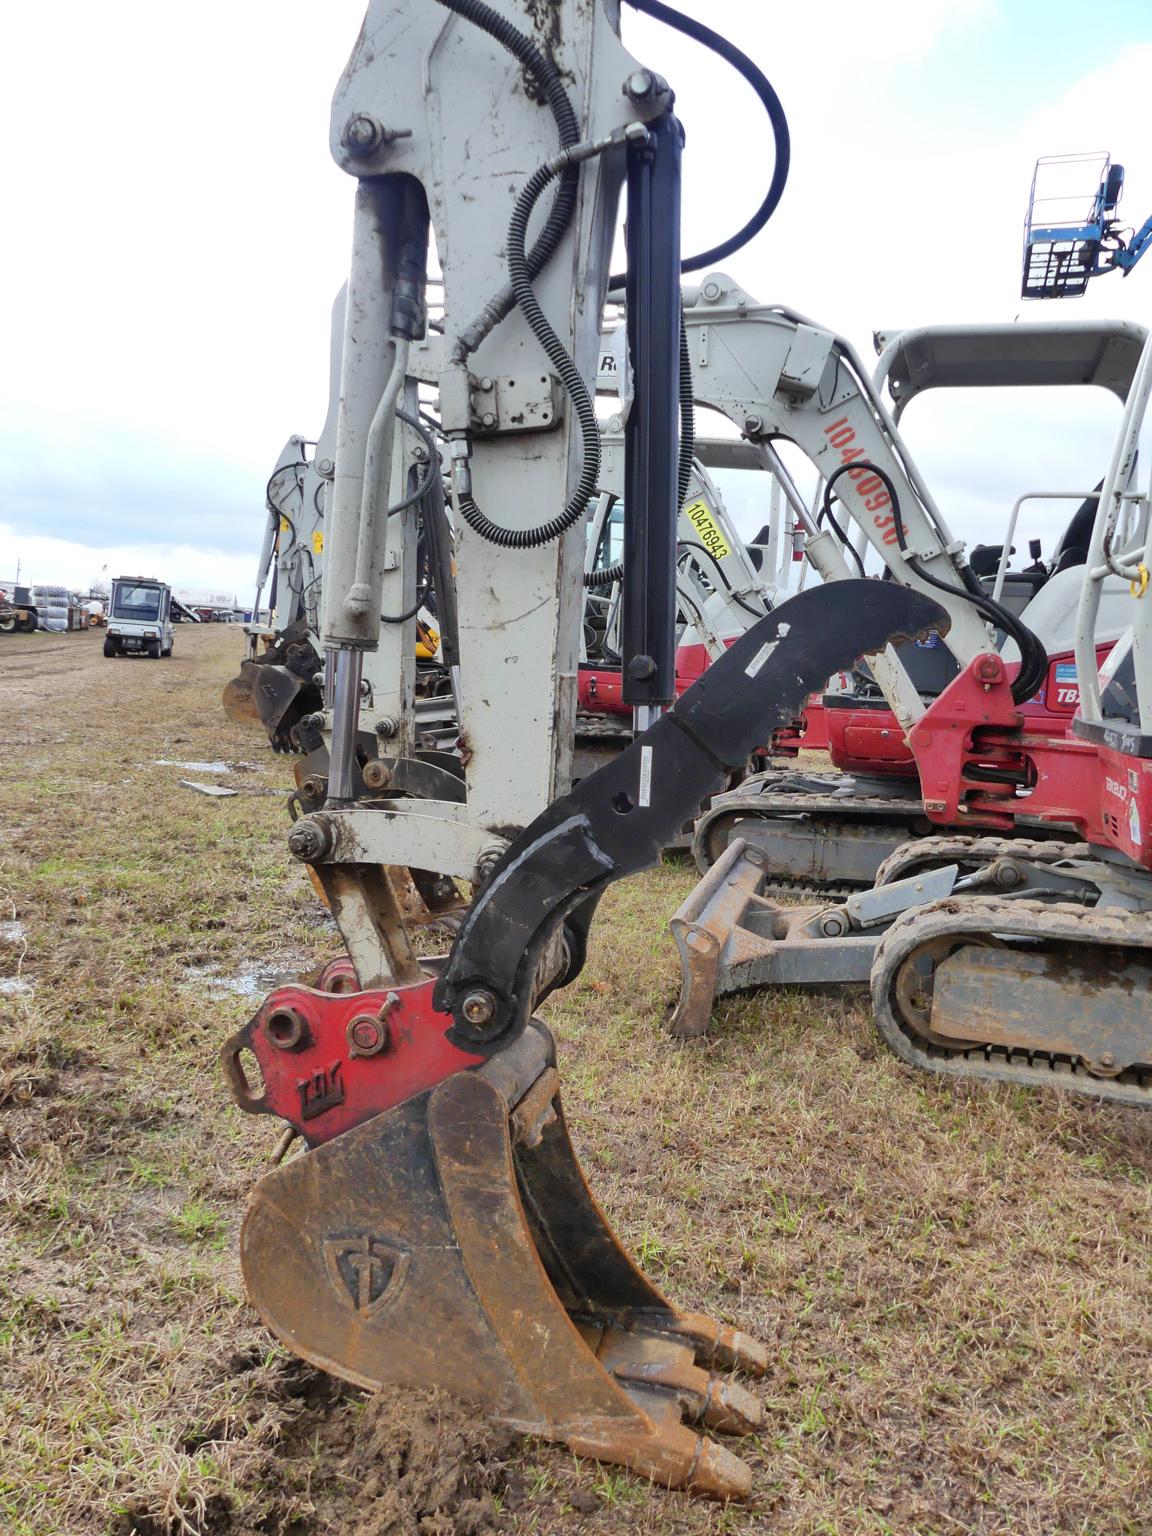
451,1241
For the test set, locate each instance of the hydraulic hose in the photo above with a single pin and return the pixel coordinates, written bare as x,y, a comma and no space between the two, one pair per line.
826,512
1033,656
419,493
607,577
760,83
425,485
687,418
577,391
551,84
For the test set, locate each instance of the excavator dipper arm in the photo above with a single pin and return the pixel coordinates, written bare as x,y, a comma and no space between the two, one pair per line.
615,822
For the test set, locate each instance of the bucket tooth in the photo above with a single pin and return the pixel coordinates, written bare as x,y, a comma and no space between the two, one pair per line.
722,1405
435,1246
719,1345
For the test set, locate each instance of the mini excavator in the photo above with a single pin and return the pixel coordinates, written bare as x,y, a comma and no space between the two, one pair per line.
276,684
1013,945
435,1228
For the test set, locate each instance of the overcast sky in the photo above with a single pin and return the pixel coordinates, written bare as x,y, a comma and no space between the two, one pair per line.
175,231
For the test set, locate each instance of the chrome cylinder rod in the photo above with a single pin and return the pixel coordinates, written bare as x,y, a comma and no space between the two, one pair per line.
345,718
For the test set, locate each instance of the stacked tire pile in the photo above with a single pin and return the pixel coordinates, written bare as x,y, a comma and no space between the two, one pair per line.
52,605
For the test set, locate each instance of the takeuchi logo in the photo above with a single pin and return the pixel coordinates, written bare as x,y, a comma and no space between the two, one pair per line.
367,1272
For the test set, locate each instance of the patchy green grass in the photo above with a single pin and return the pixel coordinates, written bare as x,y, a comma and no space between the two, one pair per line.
954,1283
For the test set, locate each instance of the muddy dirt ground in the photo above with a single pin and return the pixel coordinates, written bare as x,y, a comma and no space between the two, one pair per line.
954,1284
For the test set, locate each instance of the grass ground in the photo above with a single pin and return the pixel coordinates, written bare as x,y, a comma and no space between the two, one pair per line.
954,1285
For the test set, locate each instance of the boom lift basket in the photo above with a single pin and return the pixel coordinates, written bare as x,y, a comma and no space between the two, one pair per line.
1071,198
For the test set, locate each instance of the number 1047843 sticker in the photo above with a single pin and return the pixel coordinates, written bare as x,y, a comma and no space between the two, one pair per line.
701,519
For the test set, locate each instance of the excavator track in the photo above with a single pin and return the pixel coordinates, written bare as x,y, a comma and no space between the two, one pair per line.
822,845
934,852
839,838
1026,992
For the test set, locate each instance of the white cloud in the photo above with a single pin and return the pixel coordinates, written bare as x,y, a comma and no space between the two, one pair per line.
61,562
182,229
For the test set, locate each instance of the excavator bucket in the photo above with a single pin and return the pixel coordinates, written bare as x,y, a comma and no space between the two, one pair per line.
278,690
451,1241
272,696
239,697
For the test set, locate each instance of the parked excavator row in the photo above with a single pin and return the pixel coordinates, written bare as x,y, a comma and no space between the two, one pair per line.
276,685
832,832
1015,945
722,585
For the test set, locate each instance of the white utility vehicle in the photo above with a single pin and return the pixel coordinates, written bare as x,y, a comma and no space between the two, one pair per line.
139,618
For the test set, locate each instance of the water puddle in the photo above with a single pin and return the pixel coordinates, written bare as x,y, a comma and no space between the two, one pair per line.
251,981
12,933
171,762
15,986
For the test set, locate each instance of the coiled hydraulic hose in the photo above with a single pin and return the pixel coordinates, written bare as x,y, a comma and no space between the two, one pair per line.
606,577
1033,656
687,418
570,376
551,84
524,267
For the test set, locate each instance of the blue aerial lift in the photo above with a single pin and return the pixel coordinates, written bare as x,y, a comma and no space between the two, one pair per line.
1072,233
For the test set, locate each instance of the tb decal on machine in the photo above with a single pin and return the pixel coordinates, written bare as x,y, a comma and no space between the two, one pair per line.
1065,685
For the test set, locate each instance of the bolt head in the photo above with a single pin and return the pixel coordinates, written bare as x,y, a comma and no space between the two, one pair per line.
488,419
326,467
362,135
833,925
366,1035
307,841
989,669
377,775
711,291
639,85
753,423
479,1006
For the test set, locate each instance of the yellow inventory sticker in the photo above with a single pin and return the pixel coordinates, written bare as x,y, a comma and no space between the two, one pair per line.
285,525
712,539
318,542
